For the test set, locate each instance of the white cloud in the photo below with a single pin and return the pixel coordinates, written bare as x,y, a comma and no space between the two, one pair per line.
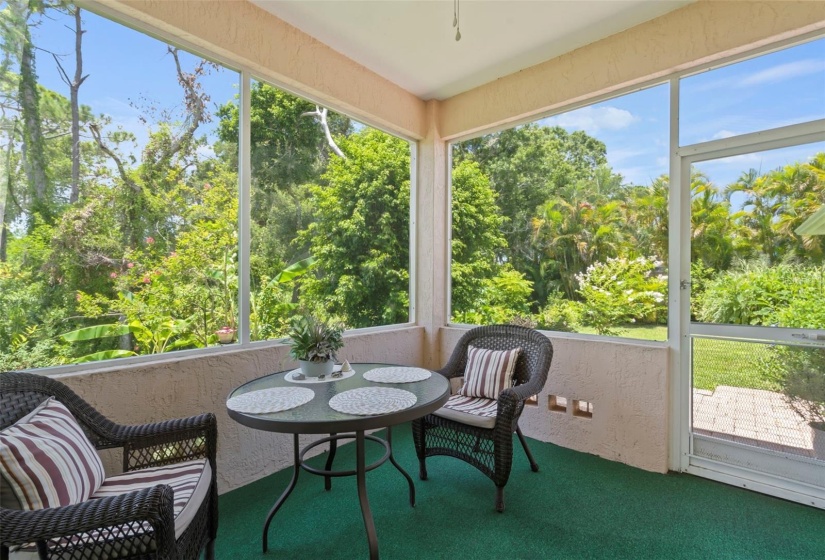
739,160
779,73
593,119
621,154
639,175
724,134
783,72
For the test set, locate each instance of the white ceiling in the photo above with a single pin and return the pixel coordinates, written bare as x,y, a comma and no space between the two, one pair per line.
412,42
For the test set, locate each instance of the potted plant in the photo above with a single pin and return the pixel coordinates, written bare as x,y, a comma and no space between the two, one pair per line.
803,383
314,344
226,335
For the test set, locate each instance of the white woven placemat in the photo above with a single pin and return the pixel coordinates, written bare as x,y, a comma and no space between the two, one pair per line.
290,376
372,400
397,374
276,399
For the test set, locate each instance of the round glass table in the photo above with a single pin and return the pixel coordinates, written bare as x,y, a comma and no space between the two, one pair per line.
318,417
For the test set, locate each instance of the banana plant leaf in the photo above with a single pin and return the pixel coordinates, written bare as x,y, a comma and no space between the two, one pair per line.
96,331
104,355
295,270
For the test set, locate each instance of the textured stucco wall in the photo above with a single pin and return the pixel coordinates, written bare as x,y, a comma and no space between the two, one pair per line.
240,31
696,34
627,384
180,387
431,231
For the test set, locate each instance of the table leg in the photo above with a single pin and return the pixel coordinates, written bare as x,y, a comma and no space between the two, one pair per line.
333,445
285,494
361,475
402,471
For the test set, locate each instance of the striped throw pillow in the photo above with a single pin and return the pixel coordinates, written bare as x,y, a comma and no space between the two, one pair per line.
48,461
488,372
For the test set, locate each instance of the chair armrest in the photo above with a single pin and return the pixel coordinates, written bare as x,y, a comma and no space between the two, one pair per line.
124,512
508,410
169,442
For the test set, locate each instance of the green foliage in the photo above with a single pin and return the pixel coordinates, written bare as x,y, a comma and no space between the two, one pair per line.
799,372
527,166
700,275
360,236
162,336
756,293
623,291
543,230
803,381
272,305
502,298
561,314
313,339
476,236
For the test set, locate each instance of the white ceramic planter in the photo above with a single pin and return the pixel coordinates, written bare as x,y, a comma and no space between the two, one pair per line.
314,369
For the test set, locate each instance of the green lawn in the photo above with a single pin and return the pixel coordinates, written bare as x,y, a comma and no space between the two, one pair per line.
731,363
716,362
641,332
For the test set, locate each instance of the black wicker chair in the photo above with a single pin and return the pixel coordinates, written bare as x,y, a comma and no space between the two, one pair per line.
113,527
488,450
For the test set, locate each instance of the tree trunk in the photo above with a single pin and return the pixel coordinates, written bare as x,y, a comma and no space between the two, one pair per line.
34,159
74,87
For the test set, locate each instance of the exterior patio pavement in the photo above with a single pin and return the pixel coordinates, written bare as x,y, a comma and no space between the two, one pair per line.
751,417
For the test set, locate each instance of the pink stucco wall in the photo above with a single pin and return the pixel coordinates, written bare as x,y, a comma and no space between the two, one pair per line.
625,381
185,386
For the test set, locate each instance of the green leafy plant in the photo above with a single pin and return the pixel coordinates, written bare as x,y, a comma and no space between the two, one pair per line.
801,375
313,339
163,336
621,291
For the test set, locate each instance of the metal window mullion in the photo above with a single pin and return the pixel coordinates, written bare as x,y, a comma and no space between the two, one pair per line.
760,141
448,237
755,333
244,205
412,265
678,271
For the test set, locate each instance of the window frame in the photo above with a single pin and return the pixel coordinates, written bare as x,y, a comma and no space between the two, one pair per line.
675,151
246,75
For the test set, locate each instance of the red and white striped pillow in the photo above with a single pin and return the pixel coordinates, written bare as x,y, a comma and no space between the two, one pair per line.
48,461
488,372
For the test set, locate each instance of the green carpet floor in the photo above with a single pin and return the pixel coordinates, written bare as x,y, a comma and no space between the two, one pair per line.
576,507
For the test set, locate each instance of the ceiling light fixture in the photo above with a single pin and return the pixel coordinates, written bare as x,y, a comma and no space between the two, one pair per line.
456,18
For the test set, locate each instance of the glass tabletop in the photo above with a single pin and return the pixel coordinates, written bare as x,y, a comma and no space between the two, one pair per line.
316,416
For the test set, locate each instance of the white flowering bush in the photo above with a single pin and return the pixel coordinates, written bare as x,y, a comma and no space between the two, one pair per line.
623,291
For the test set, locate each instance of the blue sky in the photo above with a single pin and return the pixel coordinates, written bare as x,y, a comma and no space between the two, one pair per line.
778,89
126,67
128,72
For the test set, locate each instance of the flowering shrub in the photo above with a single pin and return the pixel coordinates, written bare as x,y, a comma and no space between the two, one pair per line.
622,291
560,314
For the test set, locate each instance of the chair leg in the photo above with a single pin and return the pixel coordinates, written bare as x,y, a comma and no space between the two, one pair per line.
533,465
500,499
420,440
210,550
422,468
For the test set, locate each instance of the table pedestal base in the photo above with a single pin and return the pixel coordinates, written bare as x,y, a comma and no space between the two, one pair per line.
360,473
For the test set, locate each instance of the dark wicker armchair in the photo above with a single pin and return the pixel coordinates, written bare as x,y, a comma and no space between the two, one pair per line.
134,525
489,449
